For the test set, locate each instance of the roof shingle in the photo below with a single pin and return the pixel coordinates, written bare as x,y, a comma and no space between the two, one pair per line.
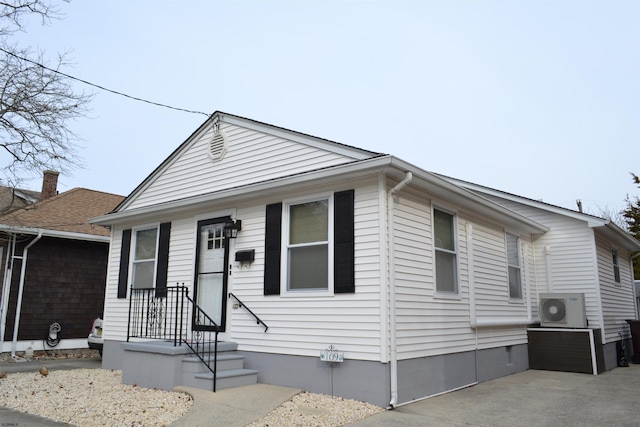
68,212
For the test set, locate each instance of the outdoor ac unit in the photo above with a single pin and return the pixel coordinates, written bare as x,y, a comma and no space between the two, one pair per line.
562,310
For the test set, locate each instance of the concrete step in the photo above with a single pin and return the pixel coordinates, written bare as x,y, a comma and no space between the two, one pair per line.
222,346
225,379
226,361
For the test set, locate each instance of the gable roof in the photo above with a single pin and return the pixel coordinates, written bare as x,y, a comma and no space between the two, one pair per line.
604,225
349,152
64,215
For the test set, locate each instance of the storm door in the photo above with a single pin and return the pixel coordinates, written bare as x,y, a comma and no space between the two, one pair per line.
212,260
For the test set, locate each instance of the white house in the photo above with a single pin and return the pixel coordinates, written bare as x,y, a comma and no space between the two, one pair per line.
581,253
415,283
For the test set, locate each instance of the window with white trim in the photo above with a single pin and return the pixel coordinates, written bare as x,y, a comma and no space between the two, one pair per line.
144,258
308,245
616,266
513,262
446,252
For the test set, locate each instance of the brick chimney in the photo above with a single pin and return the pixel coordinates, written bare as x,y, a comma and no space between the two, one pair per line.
49,184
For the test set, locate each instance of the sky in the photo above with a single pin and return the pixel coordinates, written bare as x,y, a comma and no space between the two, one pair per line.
535,98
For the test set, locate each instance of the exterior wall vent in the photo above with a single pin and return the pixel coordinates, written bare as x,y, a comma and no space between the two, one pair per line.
218,145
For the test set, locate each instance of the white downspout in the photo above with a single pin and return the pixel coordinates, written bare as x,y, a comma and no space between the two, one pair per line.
23,271
392,292
6,286
547,258
471,273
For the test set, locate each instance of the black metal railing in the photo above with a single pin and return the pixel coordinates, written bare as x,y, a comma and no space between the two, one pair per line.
204,339
243,305
165,314
158,313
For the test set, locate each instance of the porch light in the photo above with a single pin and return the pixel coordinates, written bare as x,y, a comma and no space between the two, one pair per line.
231,229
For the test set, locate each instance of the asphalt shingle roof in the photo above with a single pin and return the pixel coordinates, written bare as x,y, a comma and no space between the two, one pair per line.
68,212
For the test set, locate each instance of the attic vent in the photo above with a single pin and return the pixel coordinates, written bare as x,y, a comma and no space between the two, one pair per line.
218,146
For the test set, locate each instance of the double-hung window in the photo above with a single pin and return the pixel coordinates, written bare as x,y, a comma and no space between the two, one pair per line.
513,262
446,254
616,266
144,258
307,245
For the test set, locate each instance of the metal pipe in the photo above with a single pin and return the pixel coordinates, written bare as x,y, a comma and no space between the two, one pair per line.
6,286
23,272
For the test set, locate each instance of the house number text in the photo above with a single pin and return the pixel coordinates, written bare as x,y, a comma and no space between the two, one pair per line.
331,354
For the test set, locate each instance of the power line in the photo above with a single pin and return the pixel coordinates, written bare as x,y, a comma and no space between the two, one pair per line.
101,87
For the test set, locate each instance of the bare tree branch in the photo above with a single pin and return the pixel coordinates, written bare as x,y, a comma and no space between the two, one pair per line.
37,101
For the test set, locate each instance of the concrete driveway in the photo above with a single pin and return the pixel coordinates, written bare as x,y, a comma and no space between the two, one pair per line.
531,398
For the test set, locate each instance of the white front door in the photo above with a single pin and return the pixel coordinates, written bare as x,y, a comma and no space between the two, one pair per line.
211,271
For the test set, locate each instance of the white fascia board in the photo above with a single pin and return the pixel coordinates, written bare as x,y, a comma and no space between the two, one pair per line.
55,233
339,172
387,164
592,221
621,237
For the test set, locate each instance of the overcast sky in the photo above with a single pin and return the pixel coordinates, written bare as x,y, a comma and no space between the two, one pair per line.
536,98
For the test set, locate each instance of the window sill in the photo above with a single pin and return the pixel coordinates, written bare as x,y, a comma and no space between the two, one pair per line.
306,294
448,296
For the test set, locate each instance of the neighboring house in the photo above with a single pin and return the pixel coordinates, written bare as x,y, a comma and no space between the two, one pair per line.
53,268
422,285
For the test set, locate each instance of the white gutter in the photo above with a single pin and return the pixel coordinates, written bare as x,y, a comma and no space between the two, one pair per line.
54,233
392,292
23,271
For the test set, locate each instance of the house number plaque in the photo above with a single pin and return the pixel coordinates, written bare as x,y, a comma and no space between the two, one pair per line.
332,355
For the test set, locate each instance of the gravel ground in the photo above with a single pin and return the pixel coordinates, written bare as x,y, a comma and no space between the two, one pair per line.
97,397
91,397
317,410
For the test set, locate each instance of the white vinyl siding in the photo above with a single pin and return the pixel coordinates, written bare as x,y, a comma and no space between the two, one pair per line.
571,247
429,325
617,298
306,325
251,157
116,310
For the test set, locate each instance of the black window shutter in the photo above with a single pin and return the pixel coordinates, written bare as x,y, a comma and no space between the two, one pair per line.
272,247
343,238
125,249
163,260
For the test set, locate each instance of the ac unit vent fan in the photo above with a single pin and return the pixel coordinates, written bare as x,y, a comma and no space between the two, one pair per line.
554,310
